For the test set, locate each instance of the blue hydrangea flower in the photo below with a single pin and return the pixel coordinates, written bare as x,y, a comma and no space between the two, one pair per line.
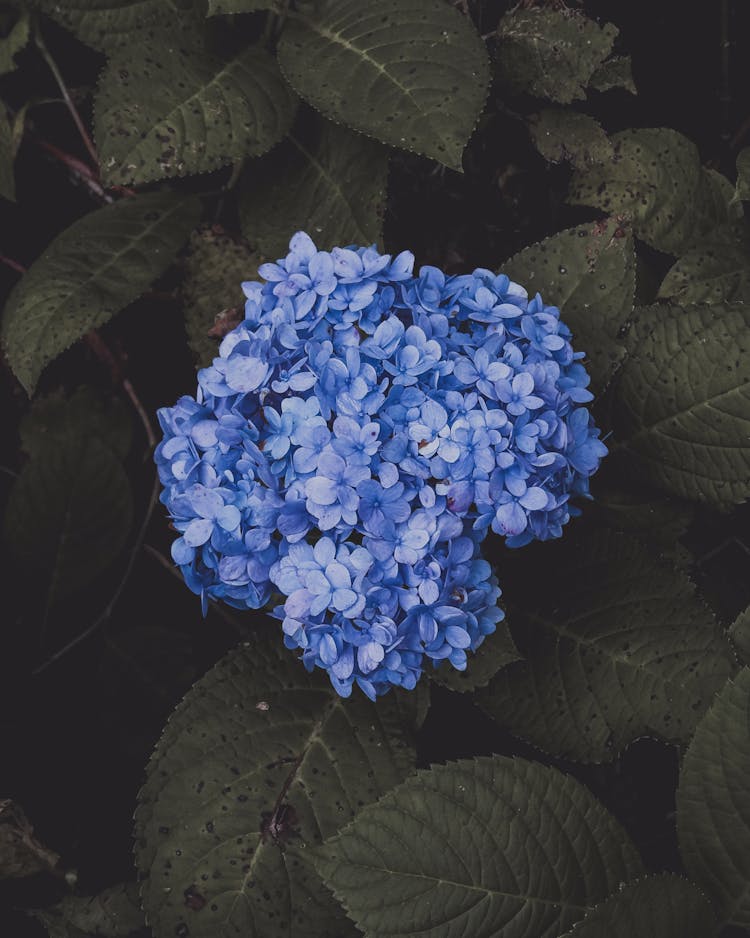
354,441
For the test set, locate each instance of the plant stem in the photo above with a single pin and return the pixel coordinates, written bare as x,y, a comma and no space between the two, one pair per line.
66,97
14,265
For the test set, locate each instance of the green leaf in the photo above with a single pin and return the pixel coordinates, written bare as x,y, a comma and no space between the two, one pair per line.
260,761
91,271
486,847
616,72
551,53
683,403
742,190
617,646
715,271
713,802
495,652
589,273
215,267
663,906
412,73
655,176
328,181
13,43
167,107
104,24
561,134
740,634
218,7
78,528
54,420
114,913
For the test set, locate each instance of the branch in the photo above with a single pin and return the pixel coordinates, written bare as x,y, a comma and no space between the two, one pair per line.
66,97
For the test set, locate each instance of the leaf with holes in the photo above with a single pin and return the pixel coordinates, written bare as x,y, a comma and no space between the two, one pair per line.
259,762
91,271
715,271
215,267
485,847
166,107
325,180
713,803
655,176
412,73
664,906
616,72
55,420
113,913
589,273
564,135
495,652
740,634
617,646
551,53
683,403
69,514
103,24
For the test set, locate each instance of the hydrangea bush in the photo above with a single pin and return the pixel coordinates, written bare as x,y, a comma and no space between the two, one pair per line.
352,444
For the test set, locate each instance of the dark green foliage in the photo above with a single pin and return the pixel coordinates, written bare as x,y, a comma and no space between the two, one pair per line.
656,177
213,301
411,73
589,272
683,403
551,53
271,807
713,803
478,847
617,646
655,907
260,762
332,186
91,271
166,106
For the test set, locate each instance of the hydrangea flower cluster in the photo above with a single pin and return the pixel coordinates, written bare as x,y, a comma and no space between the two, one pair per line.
356,437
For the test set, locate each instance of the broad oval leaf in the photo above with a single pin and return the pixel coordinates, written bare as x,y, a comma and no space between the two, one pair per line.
656,177
259,761
91,271
551,53
215,267
113,913
713,802
12,43
486,847
654,907
411,73
325,180
682,411
166,106
617,646
589,273
69,513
